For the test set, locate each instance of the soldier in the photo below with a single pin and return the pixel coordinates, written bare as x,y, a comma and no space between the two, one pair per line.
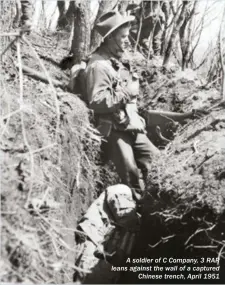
111,90
105,236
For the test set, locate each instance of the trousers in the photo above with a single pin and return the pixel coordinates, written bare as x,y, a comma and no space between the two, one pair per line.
130,152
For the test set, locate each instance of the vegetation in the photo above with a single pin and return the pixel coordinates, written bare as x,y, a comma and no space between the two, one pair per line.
51,167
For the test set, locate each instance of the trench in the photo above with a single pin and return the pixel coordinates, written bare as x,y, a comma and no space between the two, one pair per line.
174,223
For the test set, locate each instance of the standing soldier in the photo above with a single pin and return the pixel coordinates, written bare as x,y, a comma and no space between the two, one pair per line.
111,90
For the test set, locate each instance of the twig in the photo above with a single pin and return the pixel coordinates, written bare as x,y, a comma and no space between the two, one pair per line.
43,259
40,274
199,231
23,125
78,173
4,129
44,197
195,146
8,213
51,85
72,266
39,76
214,240
9,34
47,105
141,52
206,158
220,253
165,239
12,114
167,216
9,45
185,127
44,147
201,246
47,222
139,30
155,245
51,240
209,84
216,105
150,43
22,238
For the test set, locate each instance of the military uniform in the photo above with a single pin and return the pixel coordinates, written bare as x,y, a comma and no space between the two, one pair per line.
108,227
109,95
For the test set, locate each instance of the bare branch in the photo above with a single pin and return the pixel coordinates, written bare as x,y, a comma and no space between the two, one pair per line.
51,85
199,231
22,122
176,28
139,30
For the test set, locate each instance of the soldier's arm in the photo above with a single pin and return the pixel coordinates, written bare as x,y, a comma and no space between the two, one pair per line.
103,98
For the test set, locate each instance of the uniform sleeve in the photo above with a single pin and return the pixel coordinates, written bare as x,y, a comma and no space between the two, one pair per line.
102,96
26,10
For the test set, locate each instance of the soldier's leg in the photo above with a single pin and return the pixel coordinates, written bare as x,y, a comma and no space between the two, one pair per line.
144,152
120,152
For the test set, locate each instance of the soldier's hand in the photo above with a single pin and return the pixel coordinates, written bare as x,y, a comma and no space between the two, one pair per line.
132,87
137,126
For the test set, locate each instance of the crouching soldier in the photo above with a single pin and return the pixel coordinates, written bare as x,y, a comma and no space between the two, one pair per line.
106,236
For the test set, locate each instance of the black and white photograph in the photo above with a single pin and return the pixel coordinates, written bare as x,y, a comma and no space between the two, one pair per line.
112,142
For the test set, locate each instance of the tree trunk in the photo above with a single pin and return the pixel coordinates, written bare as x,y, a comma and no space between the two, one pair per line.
166,10
65,20
82,31
157,36
158,19
62,10
70,13
183,40
104,6
186,36
175,31
8,12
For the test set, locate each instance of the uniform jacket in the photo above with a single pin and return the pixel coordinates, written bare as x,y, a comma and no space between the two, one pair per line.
107,91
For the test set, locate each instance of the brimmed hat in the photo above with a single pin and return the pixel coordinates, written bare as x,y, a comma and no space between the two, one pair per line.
110,21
